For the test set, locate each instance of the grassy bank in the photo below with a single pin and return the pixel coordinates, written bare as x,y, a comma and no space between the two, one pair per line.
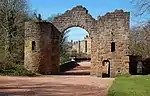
131,86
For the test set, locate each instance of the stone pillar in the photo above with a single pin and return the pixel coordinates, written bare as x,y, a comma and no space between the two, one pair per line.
79,47
38,47
94,55
72,43
86,46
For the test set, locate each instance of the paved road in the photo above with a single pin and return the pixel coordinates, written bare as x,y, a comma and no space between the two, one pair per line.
85,63
54,86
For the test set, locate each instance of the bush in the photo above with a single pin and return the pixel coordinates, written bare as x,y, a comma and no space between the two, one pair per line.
64,58
17,70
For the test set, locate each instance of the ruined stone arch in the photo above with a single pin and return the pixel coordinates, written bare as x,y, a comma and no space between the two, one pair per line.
76,17
112,27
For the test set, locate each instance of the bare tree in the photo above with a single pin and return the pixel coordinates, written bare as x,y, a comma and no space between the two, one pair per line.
142,7
140,40
13,14
64,43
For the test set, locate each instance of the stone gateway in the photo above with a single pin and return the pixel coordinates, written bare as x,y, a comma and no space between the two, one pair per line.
109,41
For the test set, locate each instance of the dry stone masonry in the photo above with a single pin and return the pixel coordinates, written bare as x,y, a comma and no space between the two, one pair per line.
41,48
109,42
82,46
113,35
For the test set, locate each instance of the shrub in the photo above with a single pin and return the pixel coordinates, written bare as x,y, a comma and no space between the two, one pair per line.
17,70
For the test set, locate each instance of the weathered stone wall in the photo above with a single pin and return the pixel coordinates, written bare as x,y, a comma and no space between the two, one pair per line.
79,17
88,40
83,45
75,46
113,27
46,47
76,17
55,50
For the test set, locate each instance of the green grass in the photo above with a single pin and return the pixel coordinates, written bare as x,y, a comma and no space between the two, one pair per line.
130,86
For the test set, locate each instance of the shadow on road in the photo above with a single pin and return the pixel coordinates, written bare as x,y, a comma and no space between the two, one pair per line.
23,88
68,66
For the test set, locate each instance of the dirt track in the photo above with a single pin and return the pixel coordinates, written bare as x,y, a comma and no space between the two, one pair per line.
54,86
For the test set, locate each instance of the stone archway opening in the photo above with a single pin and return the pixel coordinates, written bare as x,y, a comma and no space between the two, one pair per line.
79,40
106,68
79,17
78,51
112,27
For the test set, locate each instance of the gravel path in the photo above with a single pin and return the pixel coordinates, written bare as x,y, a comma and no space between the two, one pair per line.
54,86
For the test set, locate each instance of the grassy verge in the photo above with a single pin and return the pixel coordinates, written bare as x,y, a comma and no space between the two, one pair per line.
131,86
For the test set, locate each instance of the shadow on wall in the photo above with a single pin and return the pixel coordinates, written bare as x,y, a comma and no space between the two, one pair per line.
68,66
146,65
139,66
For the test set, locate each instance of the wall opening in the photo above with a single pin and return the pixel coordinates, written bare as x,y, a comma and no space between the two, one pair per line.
33,45
78,51
106,68
79,40
113,47
138,66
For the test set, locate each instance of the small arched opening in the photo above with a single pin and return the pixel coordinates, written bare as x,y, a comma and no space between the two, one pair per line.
105,68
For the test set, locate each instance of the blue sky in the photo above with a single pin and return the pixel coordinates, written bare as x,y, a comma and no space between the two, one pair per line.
95,7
